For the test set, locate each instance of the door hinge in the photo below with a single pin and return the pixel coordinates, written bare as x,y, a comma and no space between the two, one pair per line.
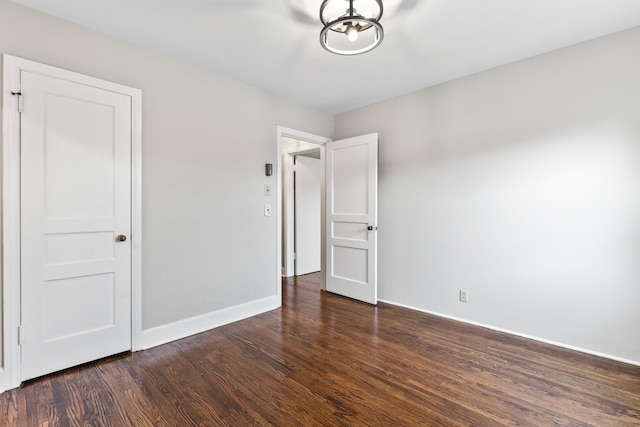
19,95
20,339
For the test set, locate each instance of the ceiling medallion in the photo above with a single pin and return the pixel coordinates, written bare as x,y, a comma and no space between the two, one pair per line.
354,31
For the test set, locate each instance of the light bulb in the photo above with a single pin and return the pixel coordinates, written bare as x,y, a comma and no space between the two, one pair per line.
352,33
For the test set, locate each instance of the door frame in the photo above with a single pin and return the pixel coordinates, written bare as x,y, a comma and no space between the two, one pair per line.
10,375
284,177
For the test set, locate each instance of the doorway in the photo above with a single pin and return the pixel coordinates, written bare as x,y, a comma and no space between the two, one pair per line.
349,205
291,143
297,151
307,212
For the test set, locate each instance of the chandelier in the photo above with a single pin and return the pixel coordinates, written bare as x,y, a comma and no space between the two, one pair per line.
352,31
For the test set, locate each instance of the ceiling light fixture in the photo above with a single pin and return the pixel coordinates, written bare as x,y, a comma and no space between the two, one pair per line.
353,32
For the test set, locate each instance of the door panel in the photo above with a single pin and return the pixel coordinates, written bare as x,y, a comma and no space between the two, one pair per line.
75,200
352,204
307,215
351,173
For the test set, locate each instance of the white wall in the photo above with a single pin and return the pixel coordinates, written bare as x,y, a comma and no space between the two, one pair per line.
522,185
206,138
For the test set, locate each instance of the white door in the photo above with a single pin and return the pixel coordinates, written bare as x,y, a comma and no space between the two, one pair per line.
352,215
75,202
307,214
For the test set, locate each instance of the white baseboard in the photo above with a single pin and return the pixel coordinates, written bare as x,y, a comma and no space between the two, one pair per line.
194,325
546,341
3,381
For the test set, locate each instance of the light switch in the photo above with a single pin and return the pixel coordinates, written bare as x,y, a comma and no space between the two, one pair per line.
267,210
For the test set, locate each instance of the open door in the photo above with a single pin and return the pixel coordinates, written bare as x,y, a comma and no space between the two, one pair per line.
307,214
352,217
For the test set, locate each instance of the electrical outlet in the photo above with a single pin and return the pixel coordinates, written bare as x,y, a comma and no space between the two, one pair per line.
464,295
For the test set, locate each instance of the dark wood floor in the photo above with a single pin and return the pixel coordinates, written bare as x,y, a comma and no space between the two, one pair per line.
327,360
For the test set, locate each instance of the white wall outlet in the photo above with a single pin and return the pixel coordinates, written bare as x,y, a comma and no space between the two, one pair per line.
464,295
267,210
267,189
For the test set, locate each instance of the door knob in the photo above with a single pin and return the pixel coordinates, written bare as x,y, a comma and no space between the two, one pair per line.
371,228
121,238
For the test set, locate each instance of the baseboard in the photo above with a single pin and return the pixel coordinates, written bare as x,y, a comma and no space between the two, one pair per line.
3,381
507,331
194,325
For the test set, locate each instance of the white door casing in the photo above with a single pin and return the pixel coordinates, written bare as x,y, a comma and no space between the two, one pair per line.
352,205
71,189
307,215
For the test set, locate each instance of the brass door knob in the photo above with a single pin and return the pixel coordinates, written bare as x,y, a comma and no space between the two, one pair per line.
121,238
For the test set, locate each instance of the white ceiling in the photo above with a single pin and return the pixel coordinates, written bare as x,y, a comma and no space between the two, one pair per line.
273,44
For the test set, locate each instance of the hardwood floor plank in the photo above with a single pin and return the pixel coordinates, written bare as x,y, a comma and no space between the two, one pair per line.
324,360
125,396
